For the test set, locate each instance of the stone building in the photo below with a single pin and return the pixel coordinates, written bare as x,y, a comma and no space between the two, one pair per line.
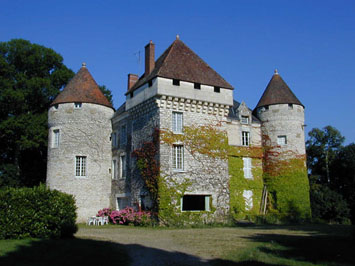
90,146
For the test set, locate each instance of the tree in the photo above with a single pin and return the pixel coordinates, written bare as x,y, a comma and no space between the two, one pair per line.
106,92
323,147
31,76
344,172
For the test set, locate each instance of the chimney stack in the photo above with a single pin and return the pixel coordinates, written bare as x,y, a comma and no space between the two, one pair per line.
149,58
132,79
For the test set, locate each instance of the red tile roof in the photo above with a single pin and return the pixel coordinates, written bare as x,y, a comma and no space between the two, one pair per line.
277,92
180,62
82,88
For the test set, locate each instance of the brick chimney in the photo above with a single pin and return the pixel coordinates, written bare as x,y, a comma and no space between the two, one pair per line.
149,58
132,79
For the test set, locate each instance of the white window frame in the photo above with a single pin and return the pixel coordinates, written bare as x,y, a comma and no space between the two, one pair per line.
123,166
282,140
247,168
178,157
244,119
56,138
177,122
80,166
245,138
248,199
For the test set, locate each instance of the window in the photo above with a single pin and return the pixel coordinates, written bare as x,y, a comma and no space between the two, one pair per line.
177,122
217,89
197,86
123,166
195,203
114,169
247,168
176,82
122,202
123,139
290,106
77,105
56,138
248,199
281,140
178,157
80,166
150,83
245,138
114,139
131,94
244,119
56,107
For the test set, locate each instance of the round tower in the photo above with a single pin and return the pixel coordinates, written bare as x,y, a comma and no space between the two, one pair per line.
285,172
282,117
79,146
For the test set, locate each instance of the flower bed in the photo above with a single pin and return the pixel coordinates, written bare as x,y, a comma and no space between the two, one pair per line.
127,216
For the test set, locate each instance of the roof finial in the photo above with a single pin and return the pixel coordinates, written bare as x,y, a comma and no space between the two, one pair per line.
177,37
83,64
276,72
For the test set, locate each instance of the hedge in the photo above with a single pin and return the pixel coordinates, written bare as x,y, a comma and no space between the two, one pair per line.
36,212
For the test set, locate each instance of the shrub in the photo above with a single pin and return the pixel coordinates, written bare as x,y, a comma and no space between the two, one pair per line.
127,216
36,212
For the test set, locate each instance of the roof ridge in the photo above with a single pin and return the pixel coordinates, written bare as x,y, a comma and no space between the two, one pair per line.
169,52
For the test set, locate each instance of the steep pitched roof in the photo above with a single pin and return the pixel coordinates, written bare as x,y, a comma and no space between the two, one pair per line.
180,62
277,92
82,88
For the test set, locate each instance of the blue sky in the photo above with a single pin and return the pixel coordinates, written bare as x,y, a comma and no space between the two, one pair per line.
311,43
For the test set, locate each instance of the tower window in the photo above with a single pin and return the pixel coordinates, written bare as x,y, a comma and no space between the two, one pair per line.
131,95
281,140
77,105
217,89
150,83
177,122
245,138
55,106
197,86
80,166
176,82
195,203
178,157
56,138
290,106
244,119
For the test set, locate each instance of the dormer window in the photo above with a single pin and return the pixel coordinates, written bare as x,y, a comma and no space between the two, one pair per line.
77,105
244,119
197,86
176,82
217,89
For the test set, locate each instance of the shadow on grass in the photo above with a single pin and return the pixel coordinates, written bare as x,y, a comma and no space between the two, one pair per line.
76,251
321,245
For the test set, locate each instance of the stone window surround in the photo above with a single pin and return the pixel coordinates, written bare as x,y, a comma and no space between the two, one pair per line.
282,140
248,137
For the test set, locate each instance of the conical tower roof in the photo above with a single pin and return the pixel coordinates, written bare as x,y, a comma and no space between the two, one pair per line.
82,88
277,92
180,62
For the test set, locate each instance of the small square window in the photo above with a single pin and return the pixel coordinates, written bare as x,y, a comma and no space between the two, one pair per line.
150,83
244,119
56,106
281,140
290,106
77,105
197,86
217,89
176,82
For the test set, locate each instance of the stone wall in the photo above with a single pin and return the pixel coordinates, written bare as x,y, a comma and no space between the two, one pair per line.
83,132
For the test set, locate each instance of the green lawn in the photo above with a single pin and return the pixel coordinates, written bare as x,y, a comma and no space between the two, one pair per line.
252,245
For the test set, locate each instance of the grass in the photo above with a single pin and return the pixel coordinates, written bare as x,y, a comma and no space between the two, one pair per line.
252,245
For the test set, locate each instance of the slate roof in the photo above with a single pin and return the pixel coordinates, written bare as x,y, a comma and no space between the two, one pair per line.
82,88
277,92
180,62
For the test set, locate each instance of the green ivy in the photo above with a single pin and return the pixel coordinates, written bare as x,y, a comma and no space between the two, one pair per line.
238,183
